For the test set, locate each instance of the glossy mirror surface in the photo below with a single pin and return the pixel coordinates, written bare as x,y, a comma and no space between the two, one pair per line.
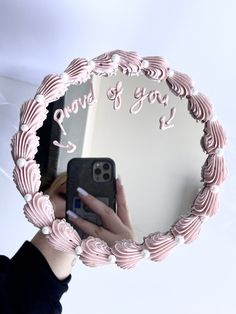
145,129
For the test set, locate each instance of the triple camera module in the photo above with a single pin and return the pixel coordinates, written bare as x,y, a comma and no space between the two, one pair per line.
102,171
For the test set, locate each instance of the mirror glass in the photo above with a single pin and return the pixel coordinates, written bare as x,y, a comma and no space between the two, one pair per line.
144,128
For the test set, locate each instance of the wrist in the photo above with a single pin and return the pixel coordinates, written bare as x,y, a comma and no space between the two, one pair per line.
60,263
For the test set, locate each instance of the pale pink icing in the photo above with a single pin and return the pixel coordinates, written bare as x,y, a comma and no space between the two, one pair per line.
199,107
152,96
114,94
63,236
214,137
24,145
52,88
206,203
39,211
180,84
78,71
157,68
165,124
60,114
127,253
104,65
95,252
27,178
33,114
214,170
187,227
159,245
130,62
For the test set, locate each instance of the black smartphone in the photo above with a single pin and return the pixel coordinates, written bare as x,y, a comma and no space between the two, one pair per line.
98,177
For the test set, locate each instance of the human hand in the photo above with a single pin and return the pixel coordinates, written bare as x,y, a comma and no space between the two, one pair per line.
58,199
115,226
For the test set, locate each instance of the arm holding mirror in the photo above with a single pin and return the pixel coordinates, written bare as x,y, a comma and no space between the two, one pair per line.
36,277
42,272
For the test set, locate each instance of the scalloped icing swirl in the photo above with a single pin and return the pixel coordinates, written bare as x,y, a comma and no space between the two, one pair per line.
214,137
33,114
127,253
78,71
63,236
39,211
157,68
27,178
214,171
104,66
24,145
130,62
206,203
187,227
180,84
199,107
95,252
159,245
52,88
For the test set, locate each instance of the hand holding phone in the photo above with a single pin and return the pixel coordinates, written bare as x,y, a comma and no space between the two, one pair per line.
116,226
97,176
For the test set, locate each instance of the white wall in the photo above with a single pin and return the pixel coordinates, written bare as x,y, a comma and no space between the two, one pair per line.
42,37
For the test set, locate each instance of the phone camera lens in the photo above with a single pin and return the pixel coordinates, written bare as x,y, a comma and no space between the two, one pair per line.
98,171
106,176
106,166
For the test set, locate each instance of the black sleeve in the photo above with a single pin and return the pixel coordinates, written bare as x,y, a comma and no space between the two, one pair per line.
28,285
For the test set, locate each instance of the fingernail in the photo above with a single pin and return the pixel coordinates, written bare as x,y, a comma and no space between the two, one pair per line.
82,191
71,214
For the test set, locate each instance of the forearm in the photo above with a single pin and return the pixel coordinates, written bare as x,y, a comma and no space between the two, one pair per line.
61,263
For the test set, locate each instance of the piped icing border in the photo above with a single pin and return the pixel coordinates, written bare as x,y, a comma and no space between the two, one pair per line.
38,208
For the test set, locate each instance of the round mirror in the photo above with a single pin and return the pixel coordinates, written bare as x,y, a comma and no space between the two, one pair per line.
143,115
145,129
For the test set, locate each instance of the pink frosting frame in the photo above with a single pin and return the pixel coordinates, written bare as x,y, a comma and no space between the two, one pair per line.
38,208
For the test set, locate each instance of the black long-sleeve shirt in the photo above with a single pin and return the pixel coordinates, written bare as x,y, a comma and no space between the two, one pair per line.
28,285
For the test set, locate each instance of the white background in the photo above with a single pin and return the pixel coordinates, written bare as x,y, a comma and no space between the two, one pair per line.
198,38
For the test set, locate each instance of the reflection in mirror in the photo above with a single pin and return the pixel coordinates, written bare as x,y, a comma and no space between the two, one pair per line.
144,128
